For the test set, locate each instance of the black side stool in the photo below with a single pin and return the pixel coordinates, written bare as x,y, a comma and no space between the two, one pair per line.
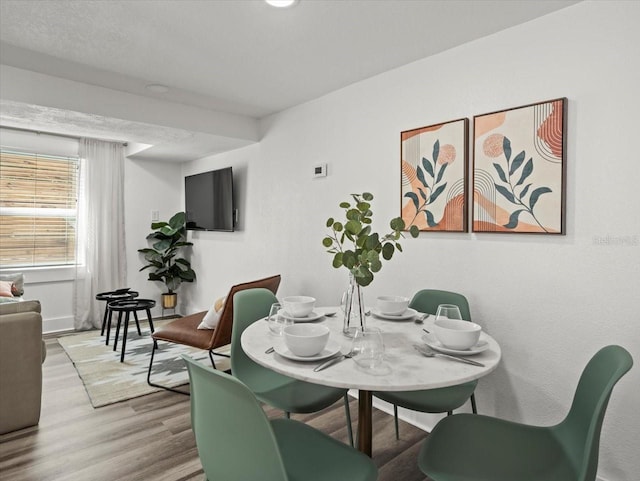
117,295
129,306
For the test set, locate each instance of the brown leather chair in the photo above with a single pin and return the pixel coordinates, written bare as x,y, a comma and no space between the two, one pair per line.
185,329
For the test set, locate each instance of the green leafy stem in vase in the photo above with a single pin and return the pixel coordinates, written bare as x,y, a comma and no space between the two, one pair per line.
363,260
432,186
515,191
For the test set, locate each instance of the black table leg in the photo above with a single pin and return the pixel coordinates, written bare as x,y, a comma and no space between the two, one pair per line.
124,335
115,340
135,315
150,320
104,318
109,325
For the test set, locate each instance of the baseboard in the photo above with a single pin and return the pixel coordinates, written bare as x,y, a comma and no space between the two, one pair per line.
57,334
57,325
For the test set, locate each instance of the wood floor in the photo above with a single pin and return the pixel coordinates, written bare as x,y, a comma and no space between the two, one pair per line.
150,438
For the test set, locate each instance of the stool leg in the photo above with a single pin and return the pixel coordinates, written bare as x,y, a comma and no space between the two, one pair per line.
104,318
124,335
135,315
115,339
108,325
150,320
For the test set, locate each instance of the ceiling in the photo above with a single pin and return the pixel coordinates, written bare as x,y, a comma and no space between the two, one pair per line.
241,58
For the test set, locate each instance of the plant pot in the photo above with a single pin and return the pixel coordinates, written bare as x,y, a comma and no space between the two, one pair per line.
169,301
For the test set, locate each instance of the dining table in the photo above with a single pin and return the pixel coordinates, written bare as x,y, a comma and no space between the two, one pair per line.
403,367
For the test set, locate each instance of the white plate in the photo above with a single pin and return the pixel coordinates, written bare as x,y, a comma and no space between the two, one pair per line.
431,341
313,316
405,316
331,349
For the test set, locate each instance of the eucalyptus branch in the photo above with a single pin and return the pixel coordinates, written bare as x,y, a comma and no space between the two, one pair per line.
363,259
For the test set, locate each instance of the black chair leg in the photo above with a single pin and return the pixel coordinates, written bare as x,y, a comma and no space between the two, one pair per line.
211,354
213,363
166,388
473,404
395,421
348,415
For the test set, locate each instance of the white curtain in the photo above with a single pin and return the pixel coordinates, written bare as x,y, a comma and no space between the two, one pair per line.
101,257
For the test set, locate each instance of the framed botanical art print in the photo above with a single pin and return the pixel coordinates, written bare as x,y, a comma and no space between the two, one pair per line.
519,169
434,165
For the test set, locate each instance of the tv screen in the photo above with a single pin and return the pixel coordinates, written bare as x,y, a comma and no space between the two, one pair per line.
209,200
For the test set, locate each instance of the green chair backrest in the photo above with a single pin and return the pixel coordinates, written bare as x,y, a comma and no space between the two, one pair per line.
250,305
234,437
580,431
428,300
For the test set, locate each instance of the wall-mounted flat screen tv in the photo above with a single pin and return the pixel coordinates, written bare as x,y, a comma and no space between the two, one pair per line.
209,200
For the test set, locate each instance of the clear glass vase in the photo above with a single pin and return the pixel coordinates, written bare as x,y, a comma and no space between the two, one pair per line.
353,307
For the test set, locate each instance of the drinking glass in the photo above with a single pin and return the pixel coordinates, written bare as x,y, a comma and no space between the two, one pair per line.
448,311
368,347
277,322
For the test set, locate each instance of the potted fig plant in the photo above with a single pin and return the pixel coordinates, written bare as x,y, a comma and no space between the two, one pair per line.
162,257
364,258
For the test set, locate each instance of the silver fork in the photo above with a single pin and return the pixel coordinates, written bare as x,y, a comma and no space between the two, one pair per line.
427,351
333,361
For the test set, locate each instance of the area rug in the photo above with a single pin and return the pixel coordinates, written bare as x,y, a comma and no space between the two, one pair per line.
107,380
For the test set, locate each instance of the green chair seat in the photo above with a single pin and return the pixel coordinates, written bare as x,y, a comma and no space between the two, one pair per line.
441,400
309,454
468,447
433,400
299,396
270,387
237,442
493,449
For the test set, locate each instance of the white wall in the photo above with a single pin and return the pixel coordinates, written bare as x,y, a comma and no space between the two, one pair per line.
149,186
544,298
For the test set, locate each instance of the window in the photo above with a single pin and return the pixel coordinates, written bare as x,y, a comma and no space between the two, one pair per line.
38,208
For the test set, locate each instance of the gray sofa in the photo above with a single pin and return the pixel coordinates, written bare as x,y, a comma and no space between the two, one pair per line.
22,352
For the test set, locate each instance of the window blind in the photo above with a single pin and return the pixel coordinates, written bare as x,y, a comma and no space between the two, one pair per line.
38,209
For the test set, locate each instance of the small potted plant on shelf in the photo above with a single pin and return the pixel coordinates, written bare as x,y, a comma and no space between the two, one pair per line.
162,257
368,249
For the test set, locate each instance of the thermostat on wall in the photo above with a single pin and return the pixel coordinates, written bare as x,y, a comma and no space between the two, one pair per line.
320,170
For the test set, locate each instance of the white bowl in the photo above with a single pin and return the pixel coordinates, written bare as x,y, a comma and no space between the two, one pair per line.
392,305
457,334
298,306
306,339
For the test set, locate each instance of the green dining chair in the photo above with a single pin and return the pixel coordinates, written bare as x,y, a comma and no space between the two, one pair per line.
438,400
237,442
280,391
483,448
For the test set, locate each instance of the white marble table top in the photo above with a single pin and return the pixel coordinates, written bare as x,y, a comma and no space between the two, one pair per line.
404,368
